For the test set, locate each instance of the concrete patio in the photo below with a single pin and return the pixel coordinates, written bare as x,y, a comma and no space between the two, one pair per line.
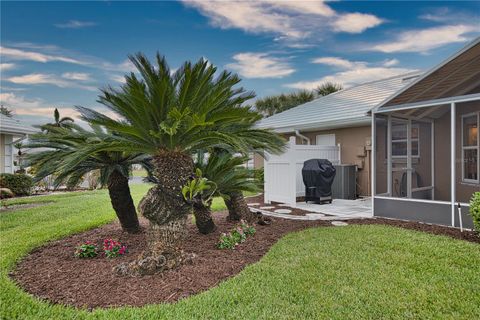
360,208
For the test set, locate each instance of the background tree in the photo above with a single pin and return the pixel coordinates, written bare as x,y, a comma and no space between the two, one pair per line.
62,147
271,105
171,116
58,122
6,111
327,88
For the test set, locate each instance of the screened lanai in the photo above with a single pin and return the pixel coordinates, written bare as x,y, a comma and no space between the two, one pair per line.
427,145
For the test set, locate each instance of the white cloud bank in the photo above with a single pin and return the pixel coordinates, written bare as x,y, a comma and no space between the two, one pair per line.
287,20
352,72
18,54
51,79
424,40
260,65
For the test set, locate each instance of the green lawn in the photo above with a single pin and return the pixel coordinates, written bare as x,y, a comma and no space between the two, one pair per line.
354,272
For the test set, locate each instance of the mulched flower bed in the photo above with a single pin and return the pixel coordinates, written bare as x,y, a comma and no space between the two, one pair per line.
52,272
259,199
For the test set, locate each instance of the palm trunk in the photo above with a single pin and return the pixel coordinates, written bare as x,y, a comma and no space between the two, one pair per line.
122,202
238,208
203,219
167,212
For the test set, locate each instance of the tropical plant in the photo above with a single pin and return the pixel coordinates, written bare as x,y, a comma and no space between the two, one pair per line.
199,193
171,115
58,122
327,88
271,105
61,149
231,177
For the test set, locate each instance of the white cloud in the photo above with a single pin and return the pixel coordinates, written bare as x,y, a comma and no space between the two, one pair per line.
424,40
118,78
260,65
80,76
7,66
17,54
42,78
390,62
356,22
289,21
353,73
10,99
75,24
338,62
351,77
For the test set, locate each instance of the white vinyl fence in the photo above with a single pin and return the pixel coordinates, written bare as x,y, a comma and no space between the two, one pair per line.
283,173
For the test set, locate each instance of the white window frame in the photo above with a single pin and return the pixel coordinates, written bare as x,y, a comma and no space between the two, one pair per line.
328,136
406,141
477,147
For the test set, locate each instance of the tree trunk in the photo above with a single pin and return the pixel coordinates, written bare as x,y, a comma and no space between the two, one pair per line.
122,202
238,208
167,211
203,219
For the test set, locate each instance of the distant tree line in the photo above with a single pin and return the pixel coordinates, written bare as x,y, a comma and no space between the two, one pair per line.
271,105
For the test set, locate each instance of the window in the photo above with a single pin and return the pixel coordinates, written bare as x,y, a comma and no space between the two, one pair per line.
399,140
470,147
325,140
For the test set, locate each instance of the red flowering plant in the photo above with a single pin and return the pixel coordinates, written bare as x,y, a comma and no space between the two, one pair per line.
113,248
86,250
236,236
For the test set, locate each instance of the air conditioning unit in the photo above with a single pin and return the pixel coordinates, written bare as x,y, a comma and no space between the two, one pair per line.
345,182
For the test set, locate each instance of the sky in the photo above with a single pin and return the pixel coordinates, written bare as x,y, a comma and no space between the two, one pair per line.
58,54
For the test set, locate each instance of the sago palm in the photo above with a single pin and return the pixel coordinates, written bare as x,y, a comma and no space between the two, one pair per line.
231,179
170,115
59,150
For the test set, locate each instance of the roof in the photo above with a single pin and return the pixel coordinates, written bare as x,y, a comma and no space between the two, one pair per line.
13,126
459,75
345,108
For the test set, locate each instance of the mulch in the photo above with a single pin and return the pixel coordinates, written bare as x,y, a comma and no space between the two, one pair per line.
52,272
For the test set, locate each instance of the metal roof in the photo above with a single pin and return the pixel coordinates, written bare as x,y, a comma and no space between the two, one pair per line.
13,126
345,108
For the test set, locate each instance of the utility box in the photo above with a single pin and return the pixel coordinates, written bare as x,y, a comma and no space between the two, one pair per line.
345,182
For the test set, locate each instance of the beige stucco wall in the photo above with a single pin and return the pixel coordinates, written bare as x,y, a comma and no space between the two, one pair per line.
351,141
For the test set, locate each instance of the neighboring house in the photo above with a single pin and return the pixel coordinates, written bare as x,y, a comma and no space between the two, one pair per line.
338,120
427,144
11,132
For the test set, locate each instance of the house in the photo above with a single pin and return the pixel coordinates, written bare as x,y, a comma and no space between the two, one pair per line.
426,151
11,132
336,127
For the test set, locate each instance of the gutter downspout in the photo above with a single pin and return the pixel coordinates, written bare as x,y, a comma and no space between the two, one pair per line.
301,136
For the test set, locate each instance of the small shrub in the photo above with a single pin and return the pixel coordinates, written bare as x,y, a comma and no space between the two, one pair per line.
259,176
86,250
113,248
236,236
475,211
19,184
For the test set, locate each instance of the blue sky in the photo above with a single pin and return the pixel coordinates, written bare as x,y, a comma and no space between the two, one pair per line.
57,54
